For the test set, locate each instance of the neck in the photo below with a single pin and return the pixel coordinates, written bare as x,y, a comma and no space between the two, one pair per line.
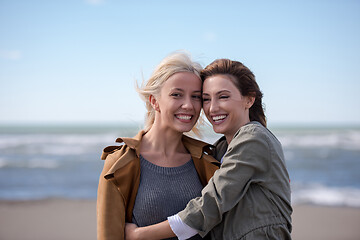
228,138
166,142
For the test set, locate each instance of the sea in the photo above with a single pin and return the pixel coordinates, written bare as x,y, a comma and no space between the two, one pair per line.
63,161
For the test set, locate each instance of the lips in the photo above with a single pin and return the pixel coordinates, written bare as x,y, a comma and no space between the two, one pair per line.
184,117
218,118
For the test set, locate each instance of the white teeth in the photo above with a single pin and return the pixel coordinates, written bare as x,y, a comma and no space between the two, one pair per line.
182,117
220,117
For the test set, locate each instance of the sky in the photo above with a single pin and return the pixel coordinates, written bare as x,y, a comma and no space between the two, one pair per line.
77,61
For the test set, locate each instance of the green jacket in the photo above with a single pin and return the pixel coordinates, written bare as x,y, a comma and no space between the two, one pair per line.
249,196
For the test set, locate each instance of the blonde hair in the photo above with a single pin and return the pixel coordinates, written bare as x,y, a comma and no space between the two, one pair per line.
173,63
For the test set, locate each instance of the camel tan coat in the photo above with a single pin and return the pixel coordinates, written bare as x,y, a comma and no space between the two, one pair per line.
120,178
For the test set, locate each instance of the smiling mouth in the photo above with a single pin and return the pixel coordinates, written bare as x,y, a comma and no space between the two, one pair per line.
184,117
218,118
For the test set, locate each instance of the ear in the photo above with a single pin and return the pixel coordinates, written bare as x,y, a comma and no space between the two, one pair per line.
154,103
249,101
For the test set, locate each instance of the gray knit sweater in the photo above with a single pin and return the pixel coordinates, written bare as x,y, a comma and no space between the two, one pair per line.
164,191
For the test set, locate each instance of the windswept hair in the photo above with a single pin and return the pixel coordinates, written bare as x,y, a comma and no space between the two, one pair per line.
243,79
173,63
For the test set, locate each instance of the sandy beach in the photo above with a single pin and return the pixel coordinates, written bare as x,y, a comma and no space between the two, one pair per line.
76,219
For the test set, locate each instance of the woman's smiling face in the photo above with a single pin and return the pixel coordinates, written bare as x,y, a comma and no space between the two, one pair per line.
224,106
179,102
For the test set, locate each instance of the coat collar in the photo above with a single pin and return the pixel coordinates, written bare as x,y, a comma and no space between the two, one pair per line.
195,147
133,143
132,151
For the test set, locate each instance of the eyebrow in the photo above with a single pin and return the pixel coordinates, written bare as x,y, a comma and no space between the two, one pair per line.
219,92
176,89
182,90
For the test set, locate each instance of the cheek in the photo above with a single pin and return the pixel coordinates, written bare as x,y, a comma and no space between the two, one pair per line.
197,106
206,109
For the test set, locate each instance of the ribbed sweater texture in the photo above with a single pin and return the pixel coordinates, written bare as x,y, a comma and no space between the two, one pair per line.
164,191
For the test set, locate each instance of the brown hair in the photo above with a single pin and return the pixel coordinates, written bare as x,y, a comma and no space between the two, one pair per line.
243,79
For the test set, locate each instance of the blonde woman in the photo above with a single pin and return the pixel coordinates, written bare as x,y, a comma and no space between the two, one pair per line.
155,174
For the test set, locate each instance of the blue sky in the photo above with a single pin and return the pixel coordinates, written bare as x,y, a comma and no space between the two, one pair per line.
77,61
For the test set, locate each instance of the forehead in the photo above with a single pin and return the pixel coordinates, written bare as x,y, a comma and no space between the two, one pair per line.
219,83
183,80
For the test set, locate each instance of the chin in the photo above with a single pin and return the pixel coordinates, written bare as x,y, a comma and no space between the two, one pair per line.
184,129
218,130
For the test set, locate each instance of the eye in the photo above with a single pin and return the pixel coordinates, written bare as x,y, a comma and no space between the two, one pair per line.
206,99
196,97
223,97
175,94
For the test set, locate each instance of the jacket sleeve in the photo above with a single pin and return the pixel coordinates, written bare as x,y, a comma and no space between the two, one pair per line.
246,161
110,210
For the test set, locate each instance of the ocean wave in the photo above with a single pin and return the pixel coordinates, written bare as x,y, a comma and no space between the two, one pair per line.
54,144
3,162
329,157
13,140
30,163
78,143
319,194
347,140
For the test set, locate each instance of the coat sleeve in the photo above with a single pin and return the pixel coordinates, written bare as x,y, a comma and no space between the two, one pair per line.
246,161
110,210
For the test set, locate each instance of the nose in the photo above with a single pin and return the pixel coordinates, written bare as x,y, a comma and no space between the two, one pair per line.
188,103
214,106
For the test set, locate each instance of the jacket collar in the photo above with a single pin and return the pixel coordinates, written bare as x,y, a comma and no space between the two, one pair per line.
195,147
133,143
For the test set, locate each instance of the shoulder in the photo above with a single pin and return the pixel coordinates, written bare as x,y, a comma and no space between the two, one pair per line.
252,130
251,138
115,158
256,136
126,143
111,153
250,147
119,156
